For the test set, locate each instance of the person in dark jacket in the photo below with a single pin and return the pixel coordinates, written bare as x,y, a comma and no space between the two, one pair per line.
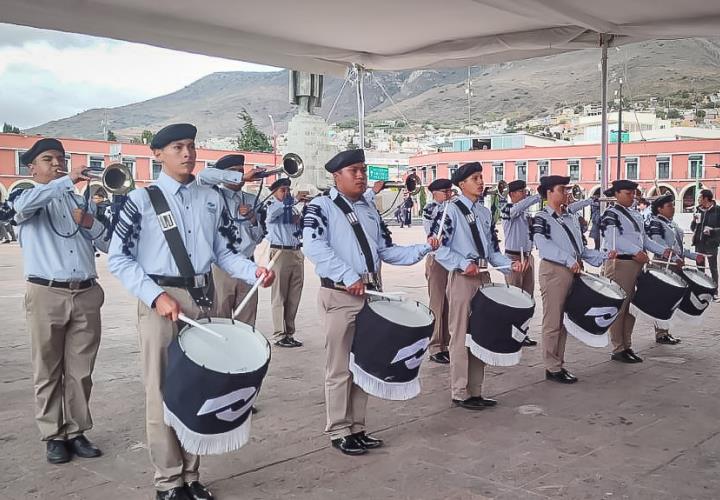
706,232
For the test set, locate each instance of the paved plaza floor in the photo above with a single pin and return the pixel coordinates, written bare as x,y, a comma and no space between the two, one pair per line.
643,431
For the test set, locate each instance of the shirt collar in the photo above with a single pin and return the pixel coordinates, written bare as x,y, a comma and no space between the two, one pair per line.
334,193
171,185
663,218
467,201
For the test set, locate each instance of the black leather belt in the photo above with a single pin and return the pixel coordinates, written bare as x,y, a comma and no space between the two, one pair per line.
283,247
328,283
516,253
67,285
199,281
625,257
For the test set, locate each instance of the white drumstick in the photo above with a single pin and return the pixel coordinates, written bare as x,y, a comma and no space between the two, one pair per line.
255,286
200,326
387,295
442,222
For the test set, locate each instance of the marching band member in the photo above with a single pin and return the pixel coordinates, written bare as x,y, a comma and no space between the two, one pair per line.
623,230
518,246
469,242
166,239
284,227
346,239
664,230
558,237
228,177
58,231
437,276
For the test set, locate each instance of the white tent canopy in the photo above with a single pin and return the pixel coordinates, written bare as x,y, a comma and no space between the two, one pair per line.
327,36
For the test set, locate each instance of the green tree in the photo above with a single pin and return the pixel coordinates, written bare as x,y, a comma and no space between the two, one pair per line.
700,115
9,129
145,138
251,138
111,136
422,199
673,114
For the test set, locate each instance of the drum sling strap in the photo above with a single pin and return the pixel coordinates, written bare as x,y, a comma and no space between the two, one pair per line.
176,245
358,230
624,211
578,253
470,218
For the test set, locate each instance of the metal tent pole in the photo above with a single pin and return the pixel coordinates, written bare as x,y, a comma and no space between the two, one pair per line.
360,104
604,170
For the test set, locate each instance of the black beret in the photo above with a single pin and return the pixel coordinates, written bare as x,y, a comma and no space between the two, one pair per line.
550,181
621,184
662,200
174,132
40,147
465,171
284,182
439,185
344,159
229,161
516,186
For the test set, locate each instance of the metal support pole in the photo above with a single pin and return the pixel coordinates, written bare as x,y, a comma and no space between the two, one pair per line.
619,135
604,172
360,104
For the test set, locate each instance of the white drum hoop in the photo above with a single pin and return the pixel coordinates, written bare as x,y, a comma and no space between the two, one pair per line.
668,277
519,298
699,278
407,313
604,286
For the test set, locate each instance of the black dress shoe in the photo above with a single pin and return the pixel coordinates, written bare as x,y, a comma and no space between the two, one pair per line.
469,404
666,338
563,376
179,493
58,452
528,342
634,356
296,342
367,442
287,342
439,358
485,401
83,448
349,445
623,357
197,491
253,410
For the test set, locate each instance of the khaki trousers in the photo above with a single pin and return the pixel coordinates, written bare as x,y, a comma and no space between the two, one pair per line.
173,465
555,283
64,327
625,273
345,402
466,371
437,277
286,290
229,292
523,280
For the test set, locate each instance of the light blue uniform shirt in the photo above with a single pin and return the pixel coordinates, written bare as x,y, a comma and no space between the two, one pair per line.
279,232
458,248
554,243
138,247
251,234
619,233
46,254
429,214
666,232
330,243
516,224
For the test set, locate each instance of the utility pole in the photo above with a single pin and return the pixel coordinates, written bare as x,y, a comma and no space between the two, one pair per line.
468,91
619,133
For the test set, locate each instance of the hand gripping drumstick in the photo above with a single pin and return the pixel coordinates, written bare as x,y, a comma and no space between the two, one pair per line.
442,222
255,286
199,326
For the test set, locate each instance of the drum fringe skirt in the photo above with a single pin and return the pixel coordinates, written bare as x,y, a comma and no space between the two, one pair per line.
689,319
660,323
492,358
208,444
394,391
583,336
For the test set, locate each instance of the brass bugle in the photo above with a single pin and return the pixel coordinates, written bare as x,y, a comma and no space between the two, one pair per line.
116,178
412,184
292,166
500,188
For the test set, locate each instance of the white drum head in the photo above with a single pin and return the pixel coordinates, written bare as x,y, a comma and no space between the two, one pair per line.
603,286
510,296
699,278
408,313
668,277
246,350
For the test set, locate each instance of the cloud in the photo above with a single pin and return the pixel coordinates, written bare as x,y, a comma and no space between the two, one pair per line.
46,75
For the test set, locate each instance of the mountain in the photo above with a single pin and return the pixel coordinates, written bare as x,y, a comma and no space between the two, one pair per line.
517,90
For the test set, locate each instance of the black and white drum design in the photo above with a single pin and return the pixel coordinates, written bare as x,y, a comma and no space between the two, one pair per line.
499,320
701,288
391,338
211,385
591,308
659,292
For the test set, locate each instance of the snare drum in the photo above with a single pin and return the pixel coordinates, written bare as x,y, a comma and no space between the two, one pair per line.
211,384
498,324
698,296
591,308
658,293
391,338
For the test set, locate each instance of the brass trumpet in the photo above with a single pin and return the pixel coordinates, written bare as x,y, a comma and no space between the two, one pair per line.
292,166
501,188
412,184
116,178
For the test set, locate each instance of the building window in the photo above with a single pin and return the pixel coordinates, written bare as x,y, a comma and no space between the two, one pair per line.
433,173
598,169
96,162
451,170
22,169
696,166
155,170
209,164
521,170
543,168
574,170
130,164
68,161
498,170
631,168
663,167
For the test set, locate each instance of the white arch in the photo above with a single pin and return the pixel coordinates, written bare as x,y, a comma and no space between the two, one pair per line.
17,183
3,192
683,192
593,188
652,192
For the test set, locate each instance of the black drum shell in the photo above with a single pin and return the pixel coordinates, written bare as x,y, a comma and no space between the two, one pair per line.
700,291
491,324
656,298
581,299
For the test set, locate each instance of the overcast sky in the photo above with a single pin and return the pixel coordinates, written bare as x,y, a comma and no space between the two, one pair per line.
47,75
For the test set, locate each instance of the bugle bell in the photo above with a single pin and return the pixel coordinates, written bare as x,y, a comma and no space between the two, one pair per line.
501,188
412,184
292,166
116,178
